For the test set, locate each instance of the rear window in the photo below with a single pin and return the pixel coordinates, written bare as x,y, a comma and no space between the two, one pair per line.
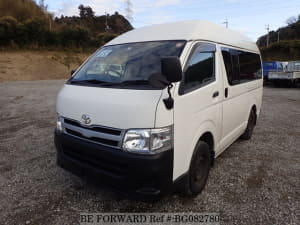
250,66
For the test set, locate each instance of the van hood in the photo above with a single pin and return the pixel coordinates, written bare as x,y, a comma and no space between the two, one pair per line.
110,107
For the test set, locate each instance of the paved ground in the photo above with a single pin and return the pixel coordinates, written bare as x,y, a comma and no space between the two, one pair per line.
253,182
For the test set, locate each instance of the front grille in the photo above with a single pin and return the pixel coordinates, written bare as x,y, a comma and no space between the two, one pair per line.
99,129
101,135
106,165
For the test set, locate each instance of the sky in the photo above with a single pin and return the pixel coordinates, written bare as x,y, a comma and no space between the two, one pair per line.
248,17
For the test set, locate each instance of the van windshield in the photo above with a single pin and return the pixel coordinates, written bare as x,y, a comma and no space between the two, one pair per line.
126,64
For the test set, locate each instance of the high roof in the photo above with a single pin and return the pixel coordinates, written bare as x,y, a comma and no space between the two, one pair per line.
186,30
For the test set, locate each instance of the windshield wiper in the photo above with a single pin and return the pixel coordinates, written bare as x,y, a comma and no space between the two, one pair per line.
108,84
135,82
92,81
127,82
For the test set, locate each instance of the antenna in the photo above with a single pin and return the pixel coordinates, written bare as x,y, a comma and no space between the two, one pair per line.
129,10
226,23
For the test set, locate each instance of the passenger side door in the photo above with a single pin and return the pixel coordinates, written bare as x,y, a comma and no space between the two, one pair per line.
197,105
235,104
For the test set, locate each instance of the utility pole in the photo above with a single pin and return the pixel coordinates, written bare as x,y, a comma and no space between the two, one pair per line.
129,10
50,22
226,23
268,29
106,22
278,36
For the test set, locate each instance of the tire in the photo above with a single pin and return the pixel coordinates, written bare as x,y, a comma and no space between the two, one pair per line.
250,126
199,170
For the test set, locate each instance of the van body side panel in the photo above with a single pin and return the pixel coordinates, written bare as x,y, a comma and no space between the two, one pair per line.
235,113
237,107
195,113
255,93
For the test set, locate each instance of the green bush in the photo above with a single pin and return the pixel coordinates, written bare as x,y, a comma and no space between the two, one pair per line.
103,38
8,29
73,37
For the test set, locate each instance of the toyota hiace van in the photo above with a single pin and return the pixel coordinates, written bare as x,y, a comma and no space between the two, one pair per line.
150,111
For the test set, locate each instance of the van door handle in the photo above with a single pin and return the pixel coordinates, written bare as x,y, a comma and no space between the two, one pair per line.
216,94
226,92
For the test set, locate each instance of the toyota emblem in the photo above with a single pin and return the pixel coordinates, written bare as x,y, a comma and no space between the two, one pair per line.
86,119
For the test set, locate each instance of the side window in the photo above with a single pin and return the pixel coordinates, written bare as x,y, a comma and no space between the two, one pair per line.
241,66
200,69
250,66
231,61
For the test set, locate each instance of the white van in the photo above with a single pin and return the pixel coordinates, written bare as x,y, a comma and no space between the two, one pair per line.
150,111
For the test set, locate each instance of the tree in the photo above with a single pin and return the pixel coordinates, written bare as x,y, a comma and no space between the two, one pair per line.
86,11
43,5
8,29
291,20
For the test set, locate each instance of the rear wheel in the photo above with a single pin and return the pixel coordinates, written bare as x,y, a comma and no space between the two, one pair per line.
199,169
250,126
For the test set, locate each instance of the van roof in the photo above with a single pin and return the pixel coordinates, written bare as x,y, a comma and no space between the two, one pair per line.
187,30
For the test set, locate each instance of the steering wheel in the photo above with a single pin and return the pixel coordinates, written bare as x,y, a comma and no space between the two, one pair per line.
113,73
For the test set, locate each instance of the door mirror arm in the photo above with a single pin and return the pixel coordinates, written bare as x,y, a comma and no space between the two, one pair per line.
169,102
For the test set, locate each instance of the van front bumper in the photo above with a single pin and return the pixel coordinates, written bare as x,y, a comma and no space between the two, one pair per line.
142,176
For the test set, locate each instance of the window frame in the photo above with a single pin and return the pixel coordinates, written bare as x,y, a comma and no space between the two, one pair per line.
182,90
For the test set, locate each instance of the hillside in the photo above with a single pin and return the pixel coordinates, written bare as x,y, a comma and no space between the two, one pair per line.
284,43
24,24
21,10
23,65
283,51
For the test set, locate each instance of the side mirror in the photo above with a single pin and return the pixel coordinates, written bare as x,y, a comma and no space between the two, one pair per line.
73,71
171,69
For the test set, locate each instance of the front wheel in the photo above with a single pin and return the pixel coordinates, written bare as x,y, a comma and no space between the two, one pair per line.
199,169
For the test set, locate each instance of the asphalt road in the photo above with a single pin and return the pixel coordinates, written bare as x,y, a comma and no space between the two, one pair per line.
252,182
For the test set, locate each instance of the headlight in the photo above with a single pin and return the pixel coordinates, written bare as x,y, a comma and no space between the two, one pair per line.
148,141
59,126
